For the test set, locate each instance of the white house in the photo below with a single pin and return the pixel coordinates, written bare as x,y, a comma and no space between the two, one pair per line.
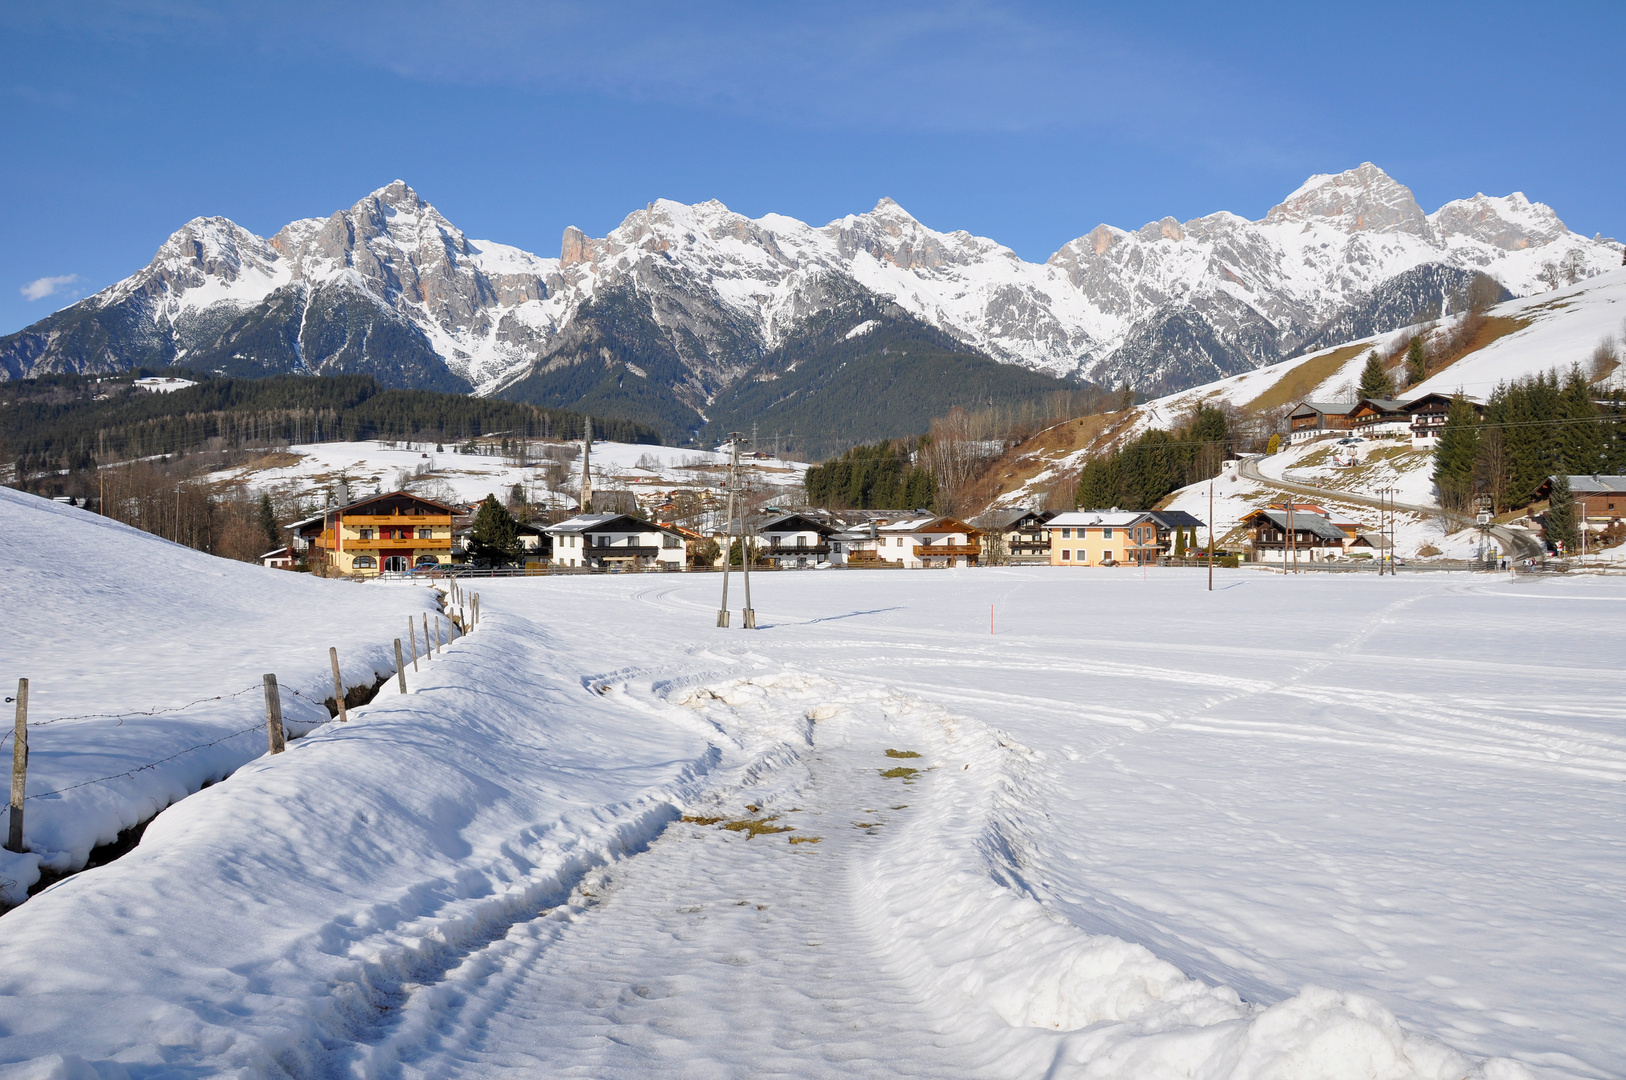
797,540
922,542
604,541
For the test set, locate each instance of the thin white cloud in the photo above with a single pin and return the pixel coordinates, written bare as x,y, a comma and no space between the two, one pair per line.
40,288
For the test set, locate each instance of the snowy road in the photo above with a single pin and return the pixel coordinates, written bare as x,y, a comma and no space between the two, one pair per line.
1144,818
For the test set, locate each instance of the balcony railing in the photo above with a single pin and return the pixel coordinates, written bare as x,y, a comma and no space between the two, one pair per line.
790,549
931,550
439,543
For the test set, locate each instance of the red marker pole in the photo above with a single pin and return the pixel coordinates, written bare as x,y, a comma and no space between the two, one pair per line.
990,619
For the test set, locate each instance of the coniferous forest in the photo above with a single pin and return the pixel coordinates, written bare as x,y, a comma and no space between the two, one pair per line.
881,475
1533,428
1137,475
70,422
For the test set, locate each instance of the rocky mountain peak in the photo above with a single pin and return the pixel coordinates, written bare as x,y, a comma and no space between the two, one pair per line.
1362,199
1511,222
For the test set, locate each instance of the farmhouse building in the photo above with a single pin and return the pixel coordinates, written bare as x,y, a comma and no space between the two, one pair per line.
617,541
1102,538
391,533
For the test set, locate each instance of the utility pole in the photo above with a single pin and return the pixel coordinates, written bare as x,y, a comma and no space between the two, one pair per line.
1211,536
1292,537
587,463
728,526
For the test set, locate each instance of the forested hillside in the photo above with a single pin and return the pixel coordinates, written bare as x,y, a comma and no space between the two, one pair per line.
69,422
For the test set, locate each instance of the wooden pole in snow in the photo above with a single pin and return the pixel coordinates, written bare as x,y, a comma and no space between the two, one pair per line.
400,666
19,770
338,687
428,649
439,648
273,715
412,634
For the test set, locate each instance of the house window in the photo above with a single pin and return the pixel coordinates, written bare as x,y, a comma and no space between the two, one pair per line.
1106,533
366,534
668,541
364,562
1066,555
1067,534
1106,556
426,534
900,541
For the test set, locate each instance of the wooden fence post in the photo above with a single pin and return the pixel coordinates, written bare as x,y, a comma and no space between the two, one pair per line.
273,715
428,649
19,770
412,633
338,687
400,666
476,609
439,649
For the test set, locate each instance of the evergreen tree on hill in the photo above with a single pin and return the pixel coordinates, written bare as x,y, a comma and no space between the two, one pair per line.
1416,362
1580,438
1559,521
1455,455
1375,381
495,538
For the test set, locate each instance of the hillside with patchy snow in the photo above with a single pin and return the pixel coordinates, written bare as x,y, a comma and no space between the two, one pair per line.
1528,336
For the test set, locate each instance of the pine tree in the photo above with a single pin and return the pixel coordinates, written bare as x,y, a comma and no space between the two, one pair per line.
495,537
1375,381
1455,454
1179,543
268,521
1580,440
1560,519
1416,362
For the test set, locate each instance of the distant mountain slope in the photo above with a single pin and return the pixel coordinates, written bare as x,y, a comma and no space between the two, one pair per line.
695,297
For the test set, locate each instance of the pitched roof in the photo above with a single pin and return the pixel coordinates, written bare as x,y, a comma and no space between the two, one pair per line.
1334,408
1175,519
1112,518
1312,523
608,523
795,523
1595,485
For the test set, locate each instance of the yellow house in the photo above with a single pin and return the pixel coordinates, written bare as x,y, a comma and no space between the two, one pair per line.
391,533
1102,538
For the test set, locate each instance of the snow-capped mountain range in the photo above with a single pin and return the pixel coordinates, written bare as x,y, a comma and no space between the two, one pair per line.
393,288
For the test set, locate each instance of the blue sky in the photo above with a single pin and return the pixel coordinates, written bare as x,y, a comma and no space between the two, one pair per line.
1029,123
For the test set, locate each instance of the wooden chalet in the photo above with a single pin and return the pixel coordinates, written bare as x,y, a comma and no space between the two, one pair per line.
1427,414
923,543
384,534
1368,413
1598,499
1308,416
1016,537
1276,536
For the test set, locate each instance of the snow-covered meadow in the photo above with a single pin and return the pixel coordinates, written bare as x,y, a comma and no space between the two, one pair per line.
1296,826
648,471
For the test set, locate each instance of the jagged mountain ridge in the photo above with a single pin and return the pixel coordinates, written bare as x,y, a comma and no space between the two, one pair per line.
393,288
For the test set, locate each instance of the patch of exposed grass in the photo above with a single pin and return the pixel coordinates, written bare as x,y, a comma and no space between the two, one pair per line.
1301,380
867,824
805,839
1493,328
700,820
901,753
756,826
902,772
905,806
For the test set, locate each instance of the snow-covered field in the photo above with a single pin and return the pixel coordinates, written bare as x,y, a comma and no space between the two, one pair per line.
1293,827
650,472
144,662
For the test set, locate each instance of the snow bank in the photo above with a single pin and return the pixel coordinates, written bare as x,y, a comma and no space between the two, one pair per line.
144,661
